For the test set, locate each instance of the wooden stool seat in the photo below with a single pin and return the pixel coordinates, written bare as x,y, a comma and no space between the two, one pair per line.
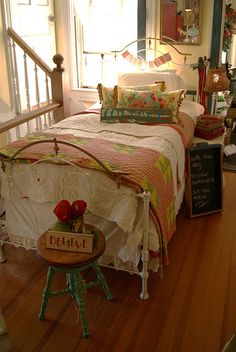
72,264
72,259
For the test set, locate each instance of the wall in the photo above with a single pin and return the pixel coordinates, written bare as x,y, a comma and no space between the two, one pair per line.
63,27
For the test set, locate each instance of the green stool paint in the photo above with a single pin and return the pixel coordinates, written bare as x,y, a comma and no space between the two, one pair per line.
73,264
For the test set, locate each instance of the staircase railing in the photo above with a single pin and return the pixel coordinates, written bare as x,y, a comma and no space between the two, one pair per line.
37,90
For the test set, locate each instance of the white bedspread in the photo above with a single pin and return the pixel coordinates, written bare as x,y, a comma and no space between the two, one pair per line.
163,139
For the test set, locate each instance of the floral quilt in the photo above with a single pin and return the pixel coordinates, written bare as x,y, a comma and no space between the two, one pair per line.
147,170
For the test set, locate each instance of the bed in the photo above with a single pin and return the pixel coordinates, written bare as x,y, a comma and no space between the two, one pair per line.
137,210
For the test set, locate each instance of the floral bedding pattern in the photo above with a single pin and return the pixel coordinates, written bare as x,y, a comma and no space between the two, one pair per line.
131,98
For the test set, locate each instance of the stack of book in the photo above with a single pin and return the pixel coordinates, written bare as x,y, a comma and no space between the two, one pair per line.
209,126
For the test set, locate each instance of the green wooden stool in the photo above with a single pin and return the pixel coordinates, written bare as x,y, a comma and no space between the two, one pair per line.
73,264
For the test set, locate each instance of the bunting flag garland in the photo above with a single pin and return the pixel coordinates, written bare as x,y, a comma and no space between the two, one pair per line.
161,60
158,61
126,53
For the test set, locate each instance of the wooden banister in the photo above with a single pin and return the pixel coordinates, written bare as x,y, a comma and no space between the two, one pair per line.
57,87
28,116
27,49
54,98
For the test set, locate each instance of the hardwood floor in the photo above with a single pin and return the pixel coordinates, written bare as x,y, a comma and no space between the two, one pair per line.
192,309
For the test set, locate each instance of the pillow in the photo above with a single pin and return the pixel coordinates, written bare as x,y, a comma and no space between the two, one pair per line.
107,96
136,115
151,87
192,108
166,70
171,79
132,98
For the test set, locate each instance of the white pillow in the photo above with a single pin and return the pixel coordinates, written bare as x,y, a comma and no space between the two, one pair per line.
172,80
192,109
167,70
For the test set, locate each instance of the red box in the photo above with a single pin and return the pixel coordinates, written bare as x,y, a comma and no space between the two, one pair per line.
169,19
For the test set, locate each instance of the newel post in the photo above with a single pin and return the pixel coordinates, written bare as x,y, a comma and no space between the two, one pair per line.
57,87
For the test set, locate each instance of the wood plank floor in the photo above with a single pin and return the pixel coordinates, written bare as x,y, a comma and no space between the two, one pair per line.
192,309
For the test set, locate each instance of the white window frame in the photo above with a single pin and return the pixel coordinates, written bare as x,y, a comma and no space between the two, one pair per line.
87,95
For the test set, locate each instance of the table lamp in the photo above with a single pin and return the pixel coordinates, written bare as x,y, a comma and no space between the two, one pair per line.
216,81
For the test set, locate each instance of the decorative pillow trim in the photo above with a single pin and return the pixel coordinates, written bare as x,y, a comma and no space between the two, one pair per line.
99,88
136,115
107,95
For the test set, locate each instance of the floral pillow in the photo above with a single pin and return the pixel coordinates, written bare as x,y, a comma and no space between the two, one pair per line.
108,95
132,98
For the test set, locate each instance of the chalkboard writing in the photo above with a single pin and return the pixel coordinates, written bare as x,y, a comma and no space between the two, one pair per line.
204,179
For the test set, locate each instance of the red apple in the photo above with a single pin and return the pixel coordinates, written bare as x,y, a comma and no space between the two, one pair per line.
63,211
78,208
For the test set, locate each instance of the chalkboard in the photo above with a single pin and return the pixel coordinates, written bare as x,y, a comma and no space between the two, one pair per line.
204,179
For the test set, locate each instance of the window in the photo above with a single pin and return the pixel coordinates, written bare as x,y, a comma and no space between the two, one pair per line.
101,28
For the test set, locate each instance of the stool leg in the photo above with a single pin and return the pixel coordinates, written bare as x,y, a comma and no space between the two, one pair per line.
46,293
102,280
78,291
68,284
